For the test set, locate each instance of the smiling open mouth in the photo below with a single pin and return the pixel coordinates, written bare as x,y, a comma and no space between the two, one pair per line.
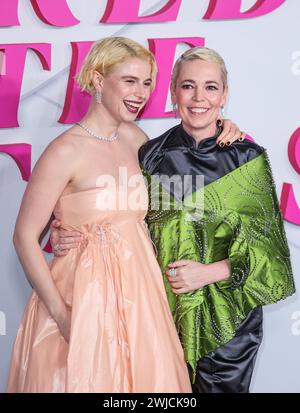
133,106
197,111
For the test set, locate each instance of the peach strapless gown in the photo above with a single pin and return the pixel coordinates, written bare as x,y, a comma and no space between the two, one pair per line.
123,338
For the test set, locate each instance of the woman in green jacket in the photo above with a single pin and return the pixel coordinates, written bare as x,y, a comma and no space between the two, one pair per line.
220,240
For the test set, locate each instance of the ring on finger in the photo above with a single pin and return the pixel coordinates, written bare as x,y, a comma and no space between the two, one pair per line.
57,248
172,272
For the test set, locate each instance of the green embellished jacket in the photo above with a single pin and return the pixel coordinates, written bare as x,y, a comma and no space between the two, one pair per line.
236,216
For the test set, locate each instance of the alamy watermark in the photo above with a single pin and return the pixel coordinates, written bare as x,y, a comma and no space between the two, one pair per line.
295,328
2,63
165,193
296,63
2,324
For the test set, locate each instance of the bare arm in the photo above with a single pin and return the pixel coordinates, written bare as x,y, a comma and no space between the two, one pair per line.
50,176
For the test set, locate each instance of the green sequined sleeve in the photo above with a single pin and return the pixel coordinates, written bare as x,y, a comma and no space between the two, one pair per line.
258,253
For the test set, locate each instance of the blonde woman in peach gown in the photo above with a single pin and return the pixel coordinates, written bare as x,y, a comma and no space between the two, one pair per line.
98,318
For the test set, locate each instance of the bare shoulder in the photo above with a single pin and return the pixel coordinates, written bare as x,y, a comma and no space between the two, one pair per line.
63,146
62,155
56,166
134,133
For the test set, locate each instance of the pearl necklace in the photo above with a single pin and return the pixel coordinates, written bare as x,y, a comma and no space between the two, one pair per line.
102,138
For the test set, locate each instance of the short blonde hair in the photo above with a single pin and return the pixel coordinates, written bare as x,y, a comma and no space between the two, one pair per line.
106,53
201,53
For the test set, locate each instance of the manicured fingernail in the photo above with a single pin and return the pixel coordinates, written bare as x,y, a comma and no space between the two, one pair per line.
241,139
228,143
222,144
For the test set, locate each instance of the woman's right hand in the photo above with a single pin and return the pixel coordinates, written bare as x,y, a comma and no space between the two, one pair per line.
63,321
61,240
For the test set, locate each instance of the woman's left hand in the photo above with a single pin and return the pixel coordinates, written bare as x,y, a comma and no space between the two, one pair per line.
190,275
230,133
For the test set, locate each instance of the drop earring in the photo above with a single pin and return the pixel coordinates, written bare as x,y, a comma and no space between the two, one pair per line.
222,112
98,96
